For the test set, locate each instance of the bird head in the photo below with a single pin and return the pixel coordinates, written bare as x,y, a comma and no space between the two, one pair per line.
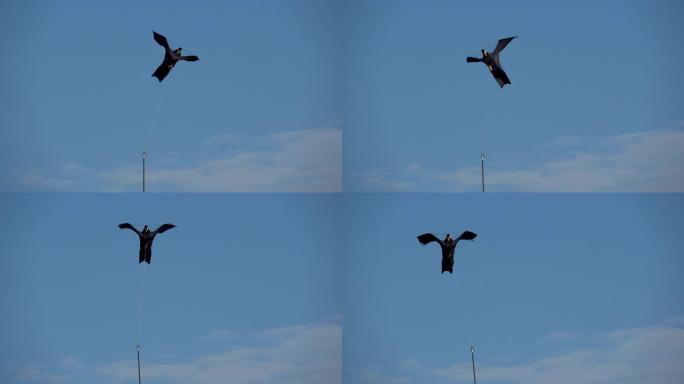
178,51
485,53
448,237
146,229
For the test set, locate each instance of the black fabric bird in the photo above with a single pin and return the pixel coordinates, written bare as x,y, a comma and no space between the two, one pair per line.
146,237
491,59
171,57
448,247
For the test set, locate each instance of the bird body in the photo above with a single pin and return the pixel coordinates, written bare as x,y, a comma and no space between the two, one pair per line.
171,57
491,60
448,246
146,238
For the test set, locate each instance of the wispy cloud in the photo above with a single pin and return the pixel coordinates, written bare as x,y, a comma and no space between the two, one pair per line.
651,161
34,374
288,355
377,182
372,375
36,179
631,356
296,161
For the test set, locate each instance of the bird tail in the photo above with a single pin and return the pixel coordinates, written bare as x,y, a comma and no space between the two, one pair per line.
473,59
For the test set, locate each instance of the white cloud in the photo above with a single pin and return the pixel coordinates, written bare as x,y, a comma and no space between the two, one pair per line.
288,355
651,161
69,362
35,179
372,375
33,374
297,161
375,181
632,356
302,354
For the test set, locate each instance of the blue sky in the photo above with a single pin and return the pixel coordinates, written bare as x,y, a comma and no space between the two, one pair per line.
561,288
258,112
595,102
247,287
266,287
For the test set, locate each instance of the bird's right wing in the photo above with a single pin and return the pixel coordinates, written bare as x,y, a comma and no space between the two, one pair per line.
161,40
161,71
427,238
502,44
128,226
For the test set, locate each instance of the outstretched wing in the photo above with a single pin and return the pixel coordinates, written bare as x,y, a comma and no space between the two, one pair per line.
128,226
502,44
499,75
472,60
162,70
161,40
163,228
189,58
467,235
427,238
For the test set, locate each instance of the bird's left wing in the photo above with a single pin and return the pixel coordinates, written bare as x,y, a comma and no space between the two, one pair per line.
163,228
161,71
189,58
499,75
502,44
467,235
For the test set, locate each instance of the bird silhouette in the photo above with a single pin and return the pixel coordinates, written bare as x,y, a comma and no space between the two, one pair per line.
171,57
448,246
146,237
491,60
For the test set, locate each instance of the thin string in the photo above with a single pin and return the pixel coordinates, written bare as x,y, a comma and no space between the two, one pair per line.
464,316
140,301
152,128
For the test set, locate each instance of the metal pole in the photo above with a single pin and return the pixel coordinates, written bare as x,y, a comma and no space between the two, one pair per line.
482,160
144,155
138,347
472,356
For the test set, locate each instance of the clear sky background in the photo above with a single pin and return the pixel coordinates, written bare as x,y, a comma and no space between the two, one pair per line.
595,102
555,289
583,288
246,288
258,112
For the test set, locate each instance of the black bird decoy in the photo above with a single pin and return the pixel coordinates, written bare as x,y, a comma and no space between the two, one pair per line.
171,57
448,246
491,59
146,237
